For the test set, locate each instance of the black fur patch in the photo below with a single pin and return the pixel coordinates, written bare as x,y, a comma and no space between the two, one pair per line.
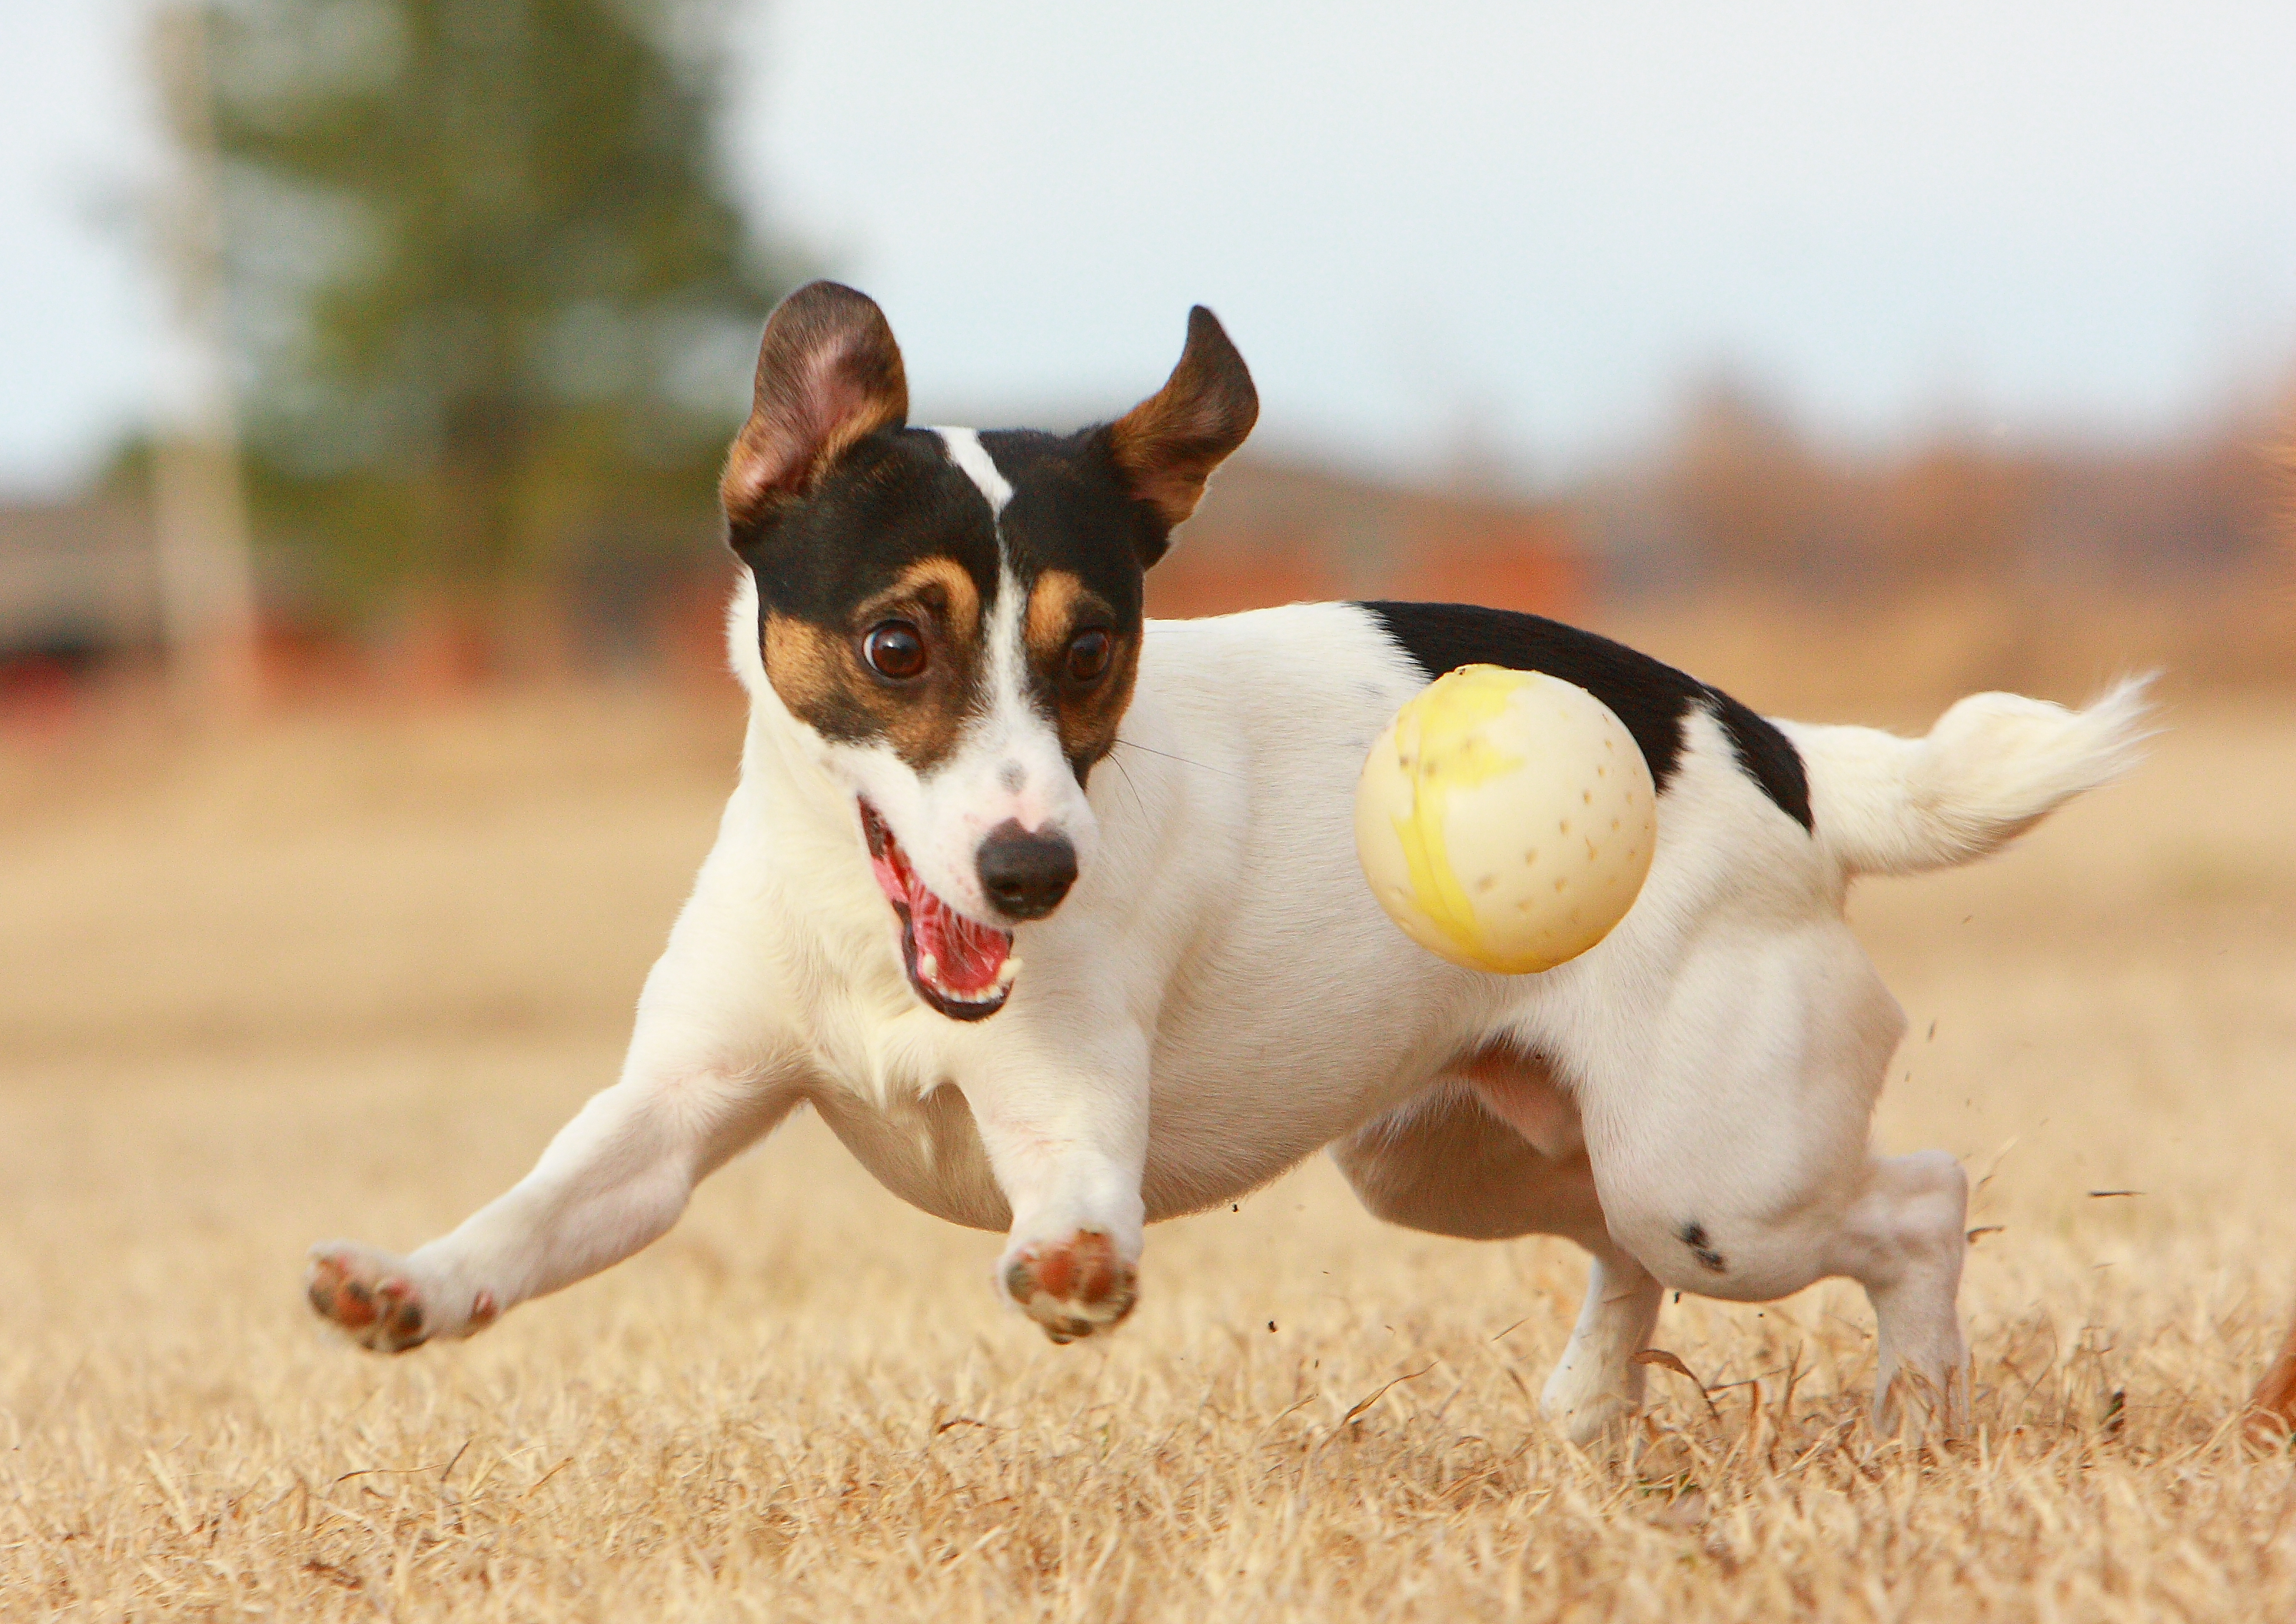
894,499
1070,511
891,503
1650,697
1693,1236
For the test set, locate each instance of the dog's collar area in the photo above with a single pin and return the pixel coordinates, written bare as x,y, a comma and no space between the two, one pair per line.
959,968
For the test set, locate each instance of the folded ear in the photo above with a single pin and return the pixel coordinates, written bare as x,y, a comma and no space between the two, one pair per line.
828,373
1166,446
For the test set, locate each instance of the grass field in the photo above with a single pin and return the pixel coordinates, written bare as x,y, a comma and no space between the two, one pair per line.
343,977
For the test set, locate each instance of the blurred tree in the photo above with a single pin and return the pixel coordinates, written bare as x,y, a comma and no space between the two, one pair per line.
493,306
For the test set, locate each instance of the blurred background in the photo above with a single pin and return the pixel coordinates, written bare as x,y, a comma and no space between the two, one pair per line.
365,370
386,348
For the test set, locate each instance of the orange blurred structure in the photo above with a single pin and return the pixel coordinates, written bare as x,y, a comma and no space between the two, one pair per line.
1277,533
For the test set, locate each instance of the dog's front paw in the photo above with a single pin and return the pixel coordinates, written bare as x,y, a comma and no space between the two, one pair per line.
1072,1288
377,1302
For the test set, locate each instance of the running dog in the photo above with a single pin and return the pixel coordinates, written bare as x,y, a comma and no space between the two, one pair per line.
1052,914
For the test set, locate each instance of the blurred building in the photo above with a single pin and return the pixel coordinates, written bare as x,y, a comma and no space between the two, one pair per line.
1743,499
79,581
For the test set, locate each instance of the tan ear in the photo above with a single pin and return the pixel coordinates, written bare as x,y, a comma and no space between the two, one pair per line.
828,373
1166,446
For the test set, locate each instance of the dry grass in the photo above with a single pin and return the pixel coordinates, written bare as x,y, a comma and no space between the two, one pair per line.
346,977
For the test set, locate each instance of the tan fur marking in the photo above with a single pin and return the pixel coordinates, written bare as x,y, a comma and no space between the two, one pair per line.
806,664
819,675
1168,445
1053,618
941,587
1060,606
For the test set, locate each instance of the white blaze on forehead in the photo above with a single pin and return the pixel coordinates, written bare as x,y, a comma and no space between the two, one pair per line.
1008,766
1011,752
966,451
1007,667
1002,731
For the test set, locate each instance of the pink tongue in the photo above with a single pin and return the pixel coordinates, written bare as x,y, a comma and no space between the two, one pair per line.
966,956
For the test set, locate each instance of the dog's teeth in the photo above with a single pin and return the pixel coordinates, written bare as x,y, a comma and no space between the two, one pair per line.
928,966
1009,973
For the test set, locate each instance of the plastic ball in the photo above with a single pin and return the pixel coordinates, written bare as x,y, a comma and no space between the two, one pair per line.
1505,819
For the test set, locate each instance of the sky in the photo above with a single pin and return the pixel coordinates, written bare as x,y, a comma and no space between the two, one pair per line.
1445,232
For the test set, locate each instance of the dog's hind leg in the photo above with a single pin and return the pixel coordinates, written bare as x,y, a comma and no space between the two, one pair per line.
1596,1384
1499,1157
1904,1240
1731,1154
1445,1162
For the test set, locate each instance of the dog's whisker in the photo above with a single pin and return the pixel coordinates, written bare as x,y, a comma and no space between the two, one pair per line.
1183,760
1137,799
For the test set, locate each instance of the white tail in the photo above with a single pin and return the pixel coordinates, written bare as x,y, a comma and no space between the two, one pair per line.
1993,766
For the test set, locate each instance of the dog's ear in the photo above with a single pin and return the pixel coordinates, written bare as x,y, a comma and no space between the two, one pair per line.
1166,446
828,374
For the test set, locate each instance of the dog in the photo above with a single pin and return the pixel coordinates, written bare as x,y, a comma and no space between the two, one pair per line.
1052,914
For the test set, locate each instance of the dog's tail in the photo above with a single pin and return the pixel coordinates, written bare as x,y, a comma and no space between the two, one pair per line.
1993,766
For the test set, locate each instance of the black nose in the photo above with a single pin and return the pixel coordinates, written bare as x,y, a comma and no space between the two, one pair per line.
1026,874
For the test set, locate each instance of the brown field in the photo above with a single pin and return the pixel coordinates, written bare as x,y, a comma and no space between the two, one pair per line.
344,977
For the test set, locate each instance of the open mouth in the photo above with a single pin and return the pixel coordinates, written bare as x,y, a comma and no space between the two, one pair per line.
963,970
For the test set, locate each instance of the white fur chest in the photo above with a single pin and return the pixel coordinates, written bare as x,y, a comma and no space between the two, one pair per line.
1223,923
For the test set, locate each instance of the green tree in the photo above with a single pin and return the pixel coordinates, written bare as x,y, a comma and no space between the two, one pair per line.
492,305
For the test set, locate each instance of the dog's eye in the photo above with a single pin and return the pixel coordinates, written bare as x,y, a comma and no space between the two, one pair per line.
893,649
1089,656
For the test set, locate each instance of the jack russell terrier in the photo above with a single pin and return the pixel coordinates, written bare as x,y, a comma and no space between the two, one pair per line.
967,750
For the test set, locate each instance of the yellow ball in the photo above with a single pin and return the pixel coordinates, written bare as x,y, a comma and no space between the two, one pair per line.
1505,819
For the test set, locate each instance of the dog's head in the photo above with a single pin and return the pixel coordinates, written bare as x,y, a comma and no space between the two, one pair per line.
957,615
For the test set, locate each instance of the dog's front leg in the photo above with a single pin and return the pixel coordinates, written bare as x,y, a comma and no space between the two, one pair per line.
1066,1130
614,1179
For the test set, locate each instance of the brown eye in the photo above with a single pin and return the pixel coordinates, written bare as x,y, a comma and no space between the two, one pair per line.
893,649
1088,655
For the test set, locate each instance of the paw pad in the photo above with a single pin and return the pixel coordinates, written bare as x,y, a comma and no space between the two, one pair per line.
1074,1287
378,1310
401,1310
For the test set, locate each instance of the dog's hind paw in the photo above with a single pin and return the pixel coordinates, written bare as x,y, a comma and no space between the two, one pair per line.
1591,1401
1072,1288
374,1300
1589,1420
